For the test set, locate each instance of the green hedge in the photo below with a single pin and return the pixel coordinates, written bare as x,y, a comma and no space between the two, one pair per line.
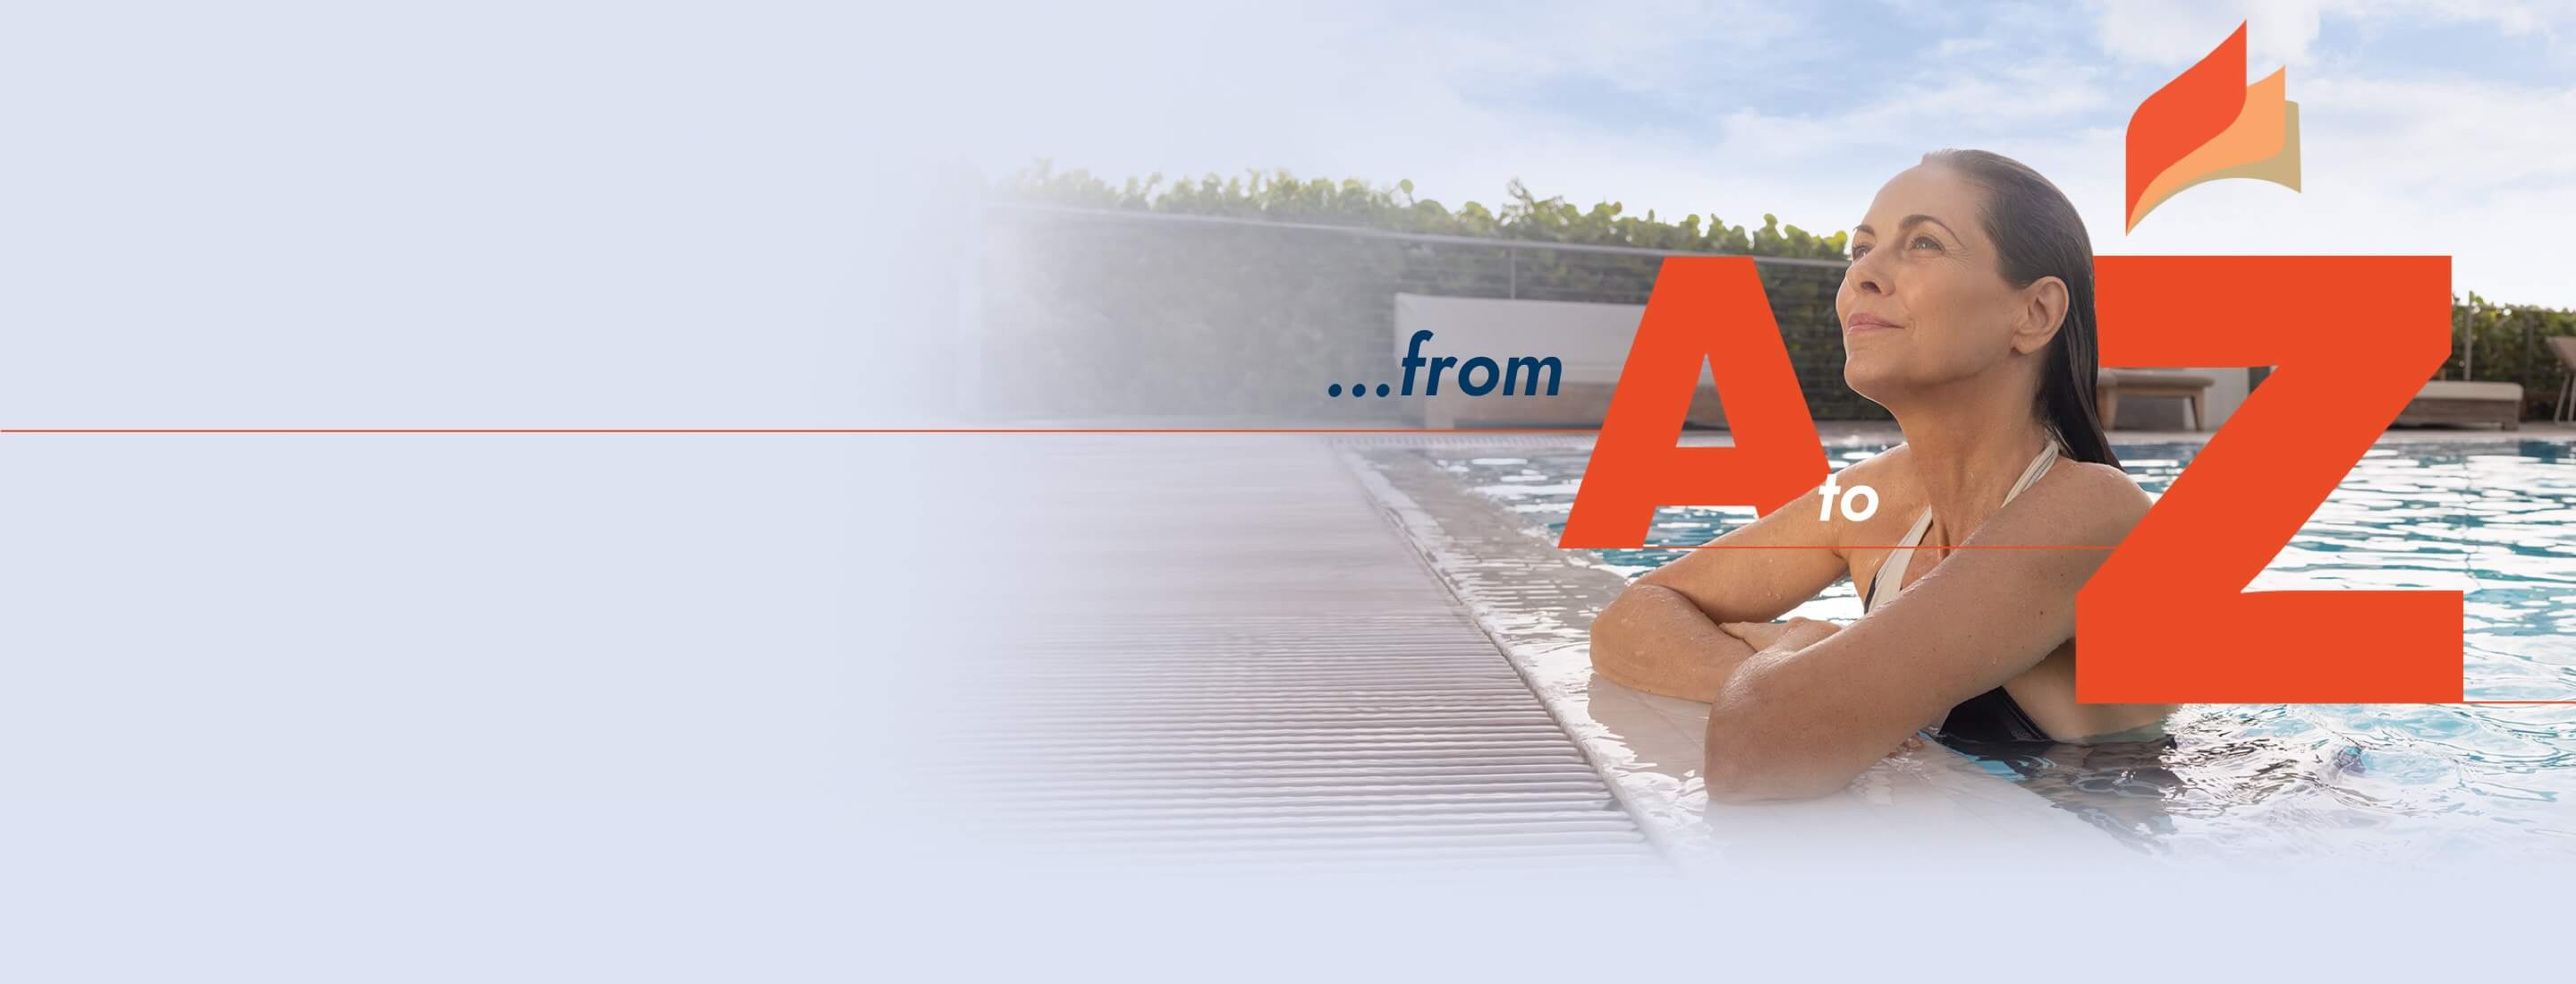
1280,196
2511,345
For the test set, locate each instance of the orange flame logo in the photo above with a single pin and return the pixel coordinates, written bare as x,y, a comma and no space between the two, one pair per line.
2208,124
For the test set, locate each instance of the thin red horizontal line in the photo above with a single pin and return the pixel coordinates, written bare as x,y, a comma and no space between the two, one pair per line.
2390,703
1868,546
2395,703
800,430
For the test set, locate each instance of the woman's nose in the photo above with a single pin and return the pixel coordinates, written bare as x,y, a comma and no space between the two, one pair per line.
1865,276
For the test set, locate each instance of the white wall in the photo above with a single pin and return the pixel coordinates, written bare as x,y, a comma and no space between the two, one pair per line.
1591,340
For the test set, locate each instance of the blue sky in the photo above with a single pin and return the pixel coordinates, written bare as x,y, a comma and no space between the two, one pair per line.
2427,127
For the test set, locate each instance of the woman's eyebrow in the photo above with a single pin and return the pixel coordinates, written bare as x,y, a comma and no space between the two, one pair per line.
1910,220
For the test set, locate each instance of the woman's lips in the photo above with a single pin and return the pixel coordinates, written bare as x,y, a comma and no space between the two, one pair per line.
1865,322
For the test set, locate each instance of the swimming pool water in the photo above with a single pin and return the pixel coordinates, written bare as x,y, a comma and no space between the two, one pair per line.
2494,519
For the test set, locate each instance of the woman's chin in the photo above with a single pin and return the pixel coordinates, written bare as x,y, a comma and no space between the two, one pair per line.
1871,385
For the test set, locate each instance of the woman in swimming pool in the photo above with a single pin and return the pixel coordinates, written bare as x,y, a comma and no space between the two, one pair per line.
1968,313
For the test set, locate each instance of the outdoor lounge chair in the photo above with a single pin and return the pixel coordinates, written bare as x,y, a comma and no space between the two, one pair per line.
2116,383
2451,401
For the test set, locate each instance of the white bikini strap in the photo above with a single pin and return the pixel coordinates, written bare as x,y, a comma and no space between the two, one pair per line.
1892,569
2037,467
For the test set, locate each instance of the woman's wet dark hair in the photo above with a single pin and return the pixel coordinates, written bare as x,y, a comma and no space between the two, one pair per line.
2037,234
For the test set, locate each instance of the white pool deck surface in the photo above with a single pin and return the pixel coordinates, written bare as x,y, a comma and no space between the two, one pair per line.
1312,649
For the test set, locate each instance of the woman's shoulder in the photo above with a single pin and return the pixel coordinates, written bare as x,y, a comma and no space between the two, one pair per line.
1879,470
2107,482
2094,497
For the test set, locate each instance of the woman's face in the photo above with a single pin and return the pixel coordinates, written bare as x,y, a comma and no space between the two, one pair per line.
1925,302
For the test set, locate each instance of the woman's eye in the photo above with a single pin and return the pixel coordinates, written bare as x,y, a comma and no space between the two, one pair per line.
1926,242
1859,251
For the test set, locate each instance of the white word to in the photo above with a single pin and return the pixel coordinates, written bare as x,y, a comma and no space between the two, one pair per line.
1850,500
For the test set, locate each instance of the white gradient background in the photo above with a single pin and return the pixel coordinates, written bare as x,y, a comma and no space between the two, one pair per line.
548,707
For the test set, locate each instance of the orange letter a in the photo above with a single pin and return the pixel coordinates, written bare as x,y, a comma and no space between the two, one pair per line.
1712,309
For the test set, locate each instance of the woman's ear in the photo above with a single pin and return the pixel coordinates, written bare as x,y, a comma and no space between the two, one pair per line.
2043,312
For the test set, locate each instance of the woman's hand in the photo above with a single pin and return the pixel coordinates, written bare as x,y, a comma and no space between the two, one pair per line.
1794,634
1791,635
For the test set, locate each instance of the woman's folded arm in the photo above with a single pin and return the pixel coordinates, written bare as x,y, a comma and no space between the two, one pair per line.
1651,638
1662,634
1804,717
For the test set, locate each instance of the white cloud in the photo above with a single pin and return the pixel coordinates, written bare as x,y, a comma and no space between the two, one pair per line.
2278,32
2509,16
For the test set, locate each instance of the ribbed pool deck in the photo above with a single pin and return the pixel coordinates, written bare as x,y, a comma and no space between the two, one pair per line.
1222,651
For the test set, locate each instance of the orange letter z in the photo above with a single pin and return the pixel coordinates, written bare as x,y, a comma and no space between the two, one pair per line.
2166,619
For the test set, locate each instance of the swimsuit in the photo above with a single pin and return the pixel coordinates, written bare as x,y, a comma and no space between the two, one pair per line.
1991,716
